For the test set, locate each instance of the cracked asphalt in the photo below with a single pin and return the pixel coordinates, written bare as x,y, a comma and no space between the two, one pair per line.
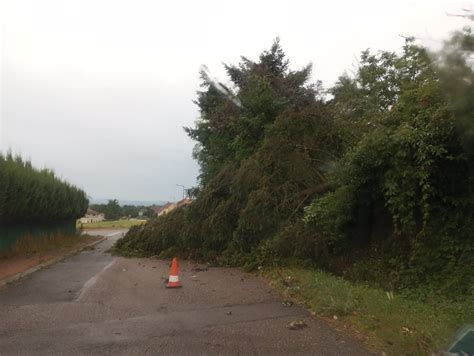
94,303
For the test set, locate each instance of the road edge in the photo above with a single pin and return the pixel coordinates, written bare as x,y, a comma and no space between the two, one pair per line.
6,281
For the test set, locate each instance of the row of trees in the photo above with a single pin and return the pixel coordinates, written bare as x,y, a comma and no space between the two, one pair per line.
29,195
371,179
113,210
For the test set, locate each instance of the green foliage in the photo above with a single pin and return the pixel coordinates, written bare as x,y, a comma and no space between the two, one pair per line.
412,166
373,184
235,119
30,196
264,146
112,210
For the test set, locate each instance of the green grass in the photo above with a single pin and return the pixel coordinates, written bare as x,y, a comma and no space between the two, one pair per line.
394,324
107,224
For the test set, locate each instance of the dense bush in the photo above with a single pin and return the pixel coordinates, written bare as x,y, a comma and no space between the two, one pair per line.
29,195
404,189
374,183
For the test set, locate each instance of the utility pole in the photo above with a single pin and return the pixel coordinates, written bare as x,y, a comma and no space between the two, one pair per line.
184,189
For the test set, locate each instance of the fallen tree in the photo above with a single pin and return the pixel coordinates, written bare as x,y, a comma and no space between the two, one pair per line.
374,183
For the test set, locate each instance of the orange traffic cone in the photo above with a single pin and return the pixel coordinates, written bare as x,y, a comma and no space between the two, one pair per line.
173,281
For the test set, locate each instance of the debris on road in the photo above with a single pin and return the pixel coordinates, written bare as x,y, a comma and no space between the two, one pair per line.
243,317
406,330
297,325
199,269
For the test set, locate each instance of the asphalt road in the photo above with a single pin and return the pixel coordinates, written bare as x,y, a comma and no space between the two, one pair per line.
93,303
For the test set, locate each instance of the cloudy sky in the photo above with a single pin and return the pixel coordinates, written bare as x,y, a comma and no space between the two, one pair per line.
99,90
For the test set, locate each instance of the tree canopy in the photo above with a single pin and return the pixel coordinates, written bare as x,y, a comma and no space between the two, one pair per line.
113,210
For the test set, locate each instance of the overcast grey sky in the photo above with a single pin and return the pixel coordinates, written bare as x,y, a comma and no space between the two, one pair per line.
100,90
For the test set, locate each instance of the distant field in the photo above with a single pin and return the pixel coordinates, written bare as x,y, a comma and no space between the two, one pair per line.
124,224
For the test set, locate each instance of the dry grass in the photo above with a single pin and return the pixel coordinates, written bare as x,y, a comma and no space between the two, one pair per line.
32,251
37,245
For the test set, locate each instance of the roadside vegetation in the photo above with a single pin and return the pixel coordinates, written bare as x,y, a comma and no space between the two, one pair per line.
35,202
32,196
394,322
31,251
370,181
38,245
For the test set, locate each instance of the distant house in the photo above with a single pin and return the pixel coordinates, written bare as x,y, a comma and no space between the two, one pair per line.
91,217
168,207
165,209
185,201
157,209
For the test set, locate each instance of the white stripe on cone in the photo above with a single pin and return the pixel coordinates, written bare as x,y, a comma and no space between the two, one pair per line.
174,279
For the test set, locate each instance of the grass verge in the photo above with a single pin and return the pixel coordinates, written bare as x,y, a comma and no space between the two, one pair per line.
386,322
30,245
31,251
107,224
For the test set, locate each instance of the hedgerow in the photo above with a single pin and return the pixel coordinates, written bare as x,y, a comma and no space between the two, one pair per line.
32,196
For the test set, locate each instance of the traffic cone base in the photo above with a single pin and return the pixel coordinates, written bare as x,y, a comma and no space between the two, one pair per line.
173,280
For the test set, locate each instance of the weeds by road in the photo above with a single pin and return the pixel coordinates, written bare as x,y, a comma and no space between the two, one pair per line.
393,323
31,251
107,224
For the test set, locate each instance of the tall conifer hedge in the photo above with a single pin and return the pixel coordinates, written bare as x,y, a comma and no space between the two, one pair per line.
32,196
